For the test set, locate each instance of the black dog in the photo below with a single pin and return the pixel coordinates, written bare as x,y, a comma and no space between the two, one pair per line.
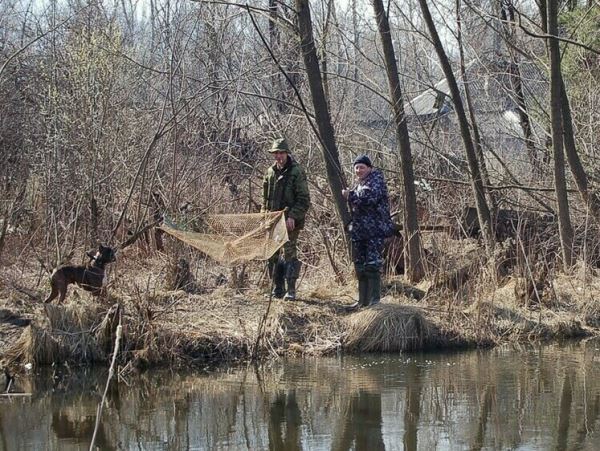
88,277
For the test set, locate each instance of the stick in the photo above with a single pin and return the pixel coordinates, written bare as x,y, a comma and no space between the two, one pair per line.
138,234
264,318
111,372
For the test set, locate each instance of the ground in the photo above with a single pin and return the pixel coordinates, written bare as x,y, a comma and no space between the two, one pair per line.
457,305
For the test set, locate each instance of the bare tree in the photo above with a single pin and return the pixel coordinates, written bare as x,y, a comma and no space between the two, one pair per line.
556,98
477,140
509,22
591,199
335,175
412,256
483,211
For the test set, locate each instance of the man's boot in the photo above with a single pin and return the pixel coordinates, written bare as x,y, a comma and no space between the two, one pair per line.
373,273
277,274
292,272
363,287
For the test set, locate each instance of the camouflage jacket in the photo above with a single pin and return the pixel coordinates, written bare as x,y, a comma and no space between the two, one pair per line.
370,208
287,188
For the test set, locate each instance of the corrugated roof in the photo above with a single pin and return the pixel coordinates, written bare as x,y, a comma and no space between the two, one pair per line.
431,102
492,88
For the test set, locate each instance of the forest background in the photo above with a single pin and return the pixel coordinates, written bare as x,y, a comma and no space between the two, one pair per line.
115,113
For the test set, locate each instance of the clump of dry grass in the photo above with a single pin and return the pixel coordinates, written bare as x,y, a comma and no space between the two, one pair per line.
307,328
504,318
79,333
35,344
73,317
387,328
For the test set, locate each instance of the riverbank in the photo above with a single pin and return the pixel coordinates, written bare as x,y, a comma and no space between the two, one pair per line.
222,324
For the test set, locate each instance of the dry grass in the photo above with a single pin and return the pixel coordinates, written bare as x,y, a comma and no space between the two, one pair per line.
387,328
78,333
219,323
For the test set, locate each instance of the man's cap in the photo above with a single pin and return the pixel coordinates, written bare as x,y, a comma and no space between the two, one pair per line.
279,145
364,160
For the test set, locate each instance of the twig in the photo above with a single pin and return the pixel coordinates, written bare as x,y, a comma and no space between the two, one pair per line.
111,372
138,234
264,318
339,277
489,187
37,38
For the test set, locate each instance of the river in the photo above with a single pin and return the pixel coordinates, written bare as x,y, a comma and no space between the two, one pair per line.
535,397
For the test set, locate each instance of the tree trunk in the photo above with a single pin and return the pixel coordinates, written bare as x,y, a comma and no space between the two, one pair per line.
524,120
556,95
483,211
507,15
273,29
324,44
581,180
275,44
355,73
412,256
335,176
94,215
543,6
476,136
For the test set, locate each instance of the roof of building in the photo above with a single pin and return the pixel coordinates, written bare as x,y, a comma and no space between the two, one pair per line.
493,88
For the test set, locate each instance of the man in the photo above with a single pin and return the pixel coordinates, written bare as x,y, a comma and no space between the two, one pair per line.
285,187
371,224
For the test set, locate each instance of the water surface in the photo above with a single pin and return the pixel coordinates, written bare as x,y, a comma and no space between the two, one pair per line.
544,397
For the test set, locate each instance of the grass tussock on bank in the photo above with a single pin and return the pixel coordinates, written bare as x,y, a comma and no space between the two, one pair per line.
213,322
387,328
82,330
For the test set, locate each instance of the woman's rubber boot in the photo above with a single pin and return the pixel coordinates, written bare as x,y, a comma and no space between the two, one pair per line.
363,288
363,291
374,284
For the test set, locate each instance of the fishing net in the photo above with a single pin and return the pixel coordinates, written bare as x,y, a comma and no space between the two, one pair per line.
235,238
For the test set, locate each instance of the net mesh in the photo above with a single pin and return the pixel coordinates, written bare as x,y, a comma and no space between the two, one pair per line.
236,238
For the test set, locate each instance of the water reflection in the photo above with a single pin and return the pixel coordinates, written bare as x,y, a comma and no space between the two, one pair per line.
413,406
285,420
537,398
361,428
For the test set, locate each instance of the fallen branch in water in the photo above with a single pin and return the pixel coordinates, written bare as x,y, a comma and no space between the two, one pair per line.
111,372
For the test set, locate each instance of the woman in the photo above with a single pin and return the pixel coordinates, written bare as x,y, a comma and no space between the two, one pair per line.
371,224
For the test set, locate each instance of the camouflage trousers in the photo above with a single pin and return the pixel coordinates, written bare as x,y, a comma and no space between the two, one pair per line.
368,252
290,249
